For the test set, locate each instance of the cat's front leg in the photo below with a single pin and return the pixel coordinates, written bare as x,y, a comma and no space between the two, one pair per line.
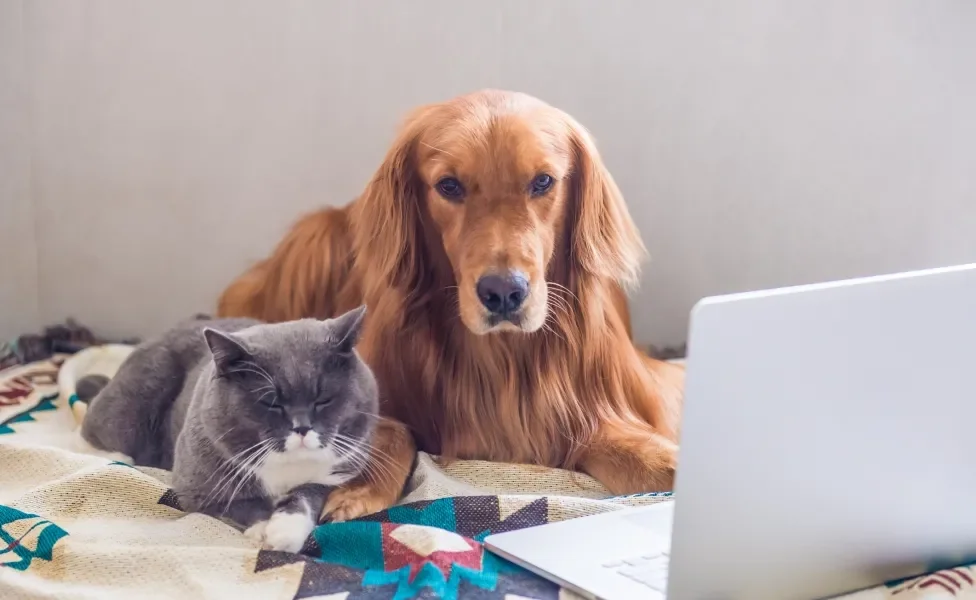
293,519
244,512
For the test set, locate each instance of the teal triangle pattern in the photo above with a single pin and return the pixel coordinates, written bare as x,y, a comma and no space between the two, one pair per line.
50,534
47,403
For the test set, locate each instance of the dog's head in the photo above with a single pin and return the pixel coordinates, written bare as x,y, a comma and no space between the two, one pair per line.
511,186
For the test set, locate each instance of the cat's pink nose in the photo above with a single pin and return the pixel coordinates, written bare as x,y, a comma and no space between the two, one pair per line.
308,438
302,437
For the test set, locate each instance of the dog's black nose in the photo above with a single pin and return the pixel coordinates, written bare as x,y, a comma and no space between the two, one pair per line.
503,294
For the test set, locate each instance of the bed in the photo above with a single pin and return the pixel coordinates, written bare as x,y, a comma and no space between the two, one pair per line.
78,526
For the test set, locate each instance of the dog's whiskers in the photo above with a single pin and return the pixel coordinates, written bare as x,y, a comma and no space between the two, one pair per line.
562,288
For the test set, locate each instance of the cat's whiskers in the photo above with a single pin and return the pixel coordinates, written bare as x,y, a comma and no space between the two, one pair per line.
360,463
377,466
357,455
370,463
251,367
224,484
375,473
218,470
373,451
224,465
368,458
232,465
264,373
231,462
242,474
362,412
250,471
347,443
224,434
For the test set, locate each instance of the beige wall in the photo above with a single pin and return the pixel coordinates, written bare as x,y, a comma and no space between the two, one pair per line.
19,308
161,146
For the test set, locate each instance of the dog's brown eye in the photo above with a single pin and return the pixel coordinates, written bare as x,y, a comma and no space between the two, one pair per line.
541,184
450,188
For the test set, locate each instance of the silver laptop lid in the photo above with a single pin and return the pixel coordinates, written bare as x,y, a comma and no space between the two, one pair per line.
828,440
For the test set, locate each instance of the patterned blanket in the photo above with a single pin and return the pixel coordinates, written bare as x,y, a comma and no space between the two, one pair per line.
78,526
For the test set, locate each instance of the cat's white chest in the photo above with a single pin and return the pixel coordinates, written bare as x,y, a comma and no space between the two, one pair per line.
283,471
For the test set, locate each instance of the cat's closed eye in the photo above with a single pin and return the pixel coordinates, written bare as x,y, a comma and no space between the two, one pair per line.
323,403
272,406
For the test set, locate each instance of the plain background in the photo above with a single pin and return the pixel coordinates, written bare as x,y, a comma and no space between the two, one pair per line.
151,150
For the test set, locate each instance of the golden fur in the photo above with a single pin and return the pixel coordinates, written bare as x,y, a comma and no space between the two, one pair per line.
565,387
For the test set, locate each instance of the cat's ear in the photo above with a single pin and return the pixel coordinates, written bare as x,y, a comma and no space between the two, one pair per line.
226,349
346,329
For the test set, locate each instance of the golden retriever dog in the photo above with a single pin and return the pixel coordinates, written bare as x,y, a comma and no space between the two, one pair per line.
493,250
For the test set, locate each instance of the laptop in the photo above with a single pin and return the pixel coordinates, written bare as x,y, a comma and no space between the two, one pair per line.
827,446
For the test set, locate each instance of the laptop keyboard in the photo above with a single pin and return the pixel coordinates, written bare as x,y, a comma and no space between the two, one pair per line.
650,570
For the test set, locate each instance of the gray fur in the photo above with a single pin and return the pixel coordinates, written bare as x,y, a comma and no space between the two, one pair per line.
198,398
89,386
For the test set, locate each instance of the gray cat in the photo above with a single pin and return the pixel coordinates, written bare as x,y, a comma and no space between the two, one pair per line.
257,421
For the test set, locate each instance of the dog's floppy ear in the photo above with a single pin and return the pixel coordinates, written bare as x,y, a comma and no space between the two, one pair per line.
605,242
388,228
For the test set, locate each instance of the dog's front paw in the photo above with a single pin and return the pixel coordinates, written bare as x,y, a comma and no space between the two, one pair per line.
287,532
345,504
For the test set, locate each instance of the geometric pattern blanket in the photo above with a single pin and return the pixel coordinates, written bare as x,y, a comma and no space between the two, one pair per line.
78,526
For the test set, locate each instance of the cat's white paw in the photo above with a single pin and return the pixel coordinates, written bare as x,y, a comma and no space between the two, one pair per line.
287,532
255,532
